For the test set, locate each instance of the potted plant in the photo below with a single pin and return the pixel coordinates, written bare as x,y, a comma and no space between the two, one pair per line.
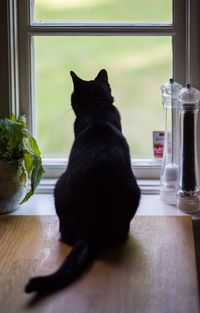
19,160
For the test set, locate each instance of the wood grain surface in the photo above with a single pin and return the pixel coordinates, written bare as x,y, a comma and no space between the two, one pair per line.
154,271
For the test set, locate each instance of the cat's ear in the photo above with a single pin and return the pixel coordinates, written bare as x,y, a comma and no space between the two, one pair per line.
102,76
76,80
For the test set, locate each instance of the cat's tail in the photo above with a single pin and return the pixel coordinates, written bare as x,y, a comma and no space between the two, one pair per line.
74,264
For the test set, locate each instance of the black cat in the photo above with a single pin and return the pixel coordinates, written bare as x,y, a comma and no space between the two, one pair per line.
97,196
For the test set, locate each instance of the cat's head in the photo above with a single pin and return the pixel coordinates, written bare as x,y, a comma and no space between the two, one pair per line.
91,94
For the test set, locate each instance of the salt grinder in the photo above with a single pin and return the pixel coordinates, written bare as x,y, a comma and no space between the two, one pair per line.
169,171
188,195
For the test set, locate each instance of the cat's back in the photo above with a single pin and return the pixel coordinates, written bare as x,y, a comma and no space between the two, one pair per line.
100,143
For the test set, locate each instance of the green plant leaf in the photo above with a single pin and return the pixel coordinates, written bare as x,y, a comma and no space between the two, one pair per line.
35,178
27,196
13,117
34,146
36,174
28,162
22,120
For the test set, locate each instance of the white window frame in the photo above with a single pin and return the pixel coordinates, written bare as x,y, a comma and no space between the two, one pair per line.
20,83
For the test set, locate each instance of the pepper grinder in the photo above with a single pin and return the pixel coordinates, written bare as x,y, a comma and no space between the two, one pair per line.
169,171
188,195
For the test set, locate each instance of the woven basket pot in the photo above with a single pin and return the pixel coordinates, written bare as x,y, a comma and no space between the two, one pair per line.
11,190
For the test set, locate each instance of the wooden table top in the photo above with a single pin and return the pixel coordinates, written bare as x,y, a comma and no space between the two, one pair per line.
154,271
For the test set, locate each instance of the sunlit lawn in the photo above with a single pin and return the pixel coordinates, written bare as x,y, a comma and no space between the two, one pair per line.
137,67
104,10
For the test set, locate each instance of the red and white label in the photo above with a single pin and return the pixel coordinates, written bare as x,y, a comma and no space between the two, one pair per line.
158,144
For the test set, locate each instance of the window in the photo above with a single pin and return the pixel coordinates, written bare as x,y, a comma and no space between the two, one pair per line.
137,46
131,61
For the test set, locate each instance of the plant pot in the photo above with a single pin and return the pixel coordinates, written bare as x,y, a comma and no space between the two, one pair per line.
12,191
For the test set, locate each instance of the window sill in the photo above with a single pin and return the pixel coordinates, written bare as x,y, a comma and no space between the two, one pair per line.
42,203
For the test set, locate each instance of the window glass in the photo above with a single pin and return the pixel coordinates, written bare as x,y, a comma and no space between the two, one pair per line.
103,10
137,66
